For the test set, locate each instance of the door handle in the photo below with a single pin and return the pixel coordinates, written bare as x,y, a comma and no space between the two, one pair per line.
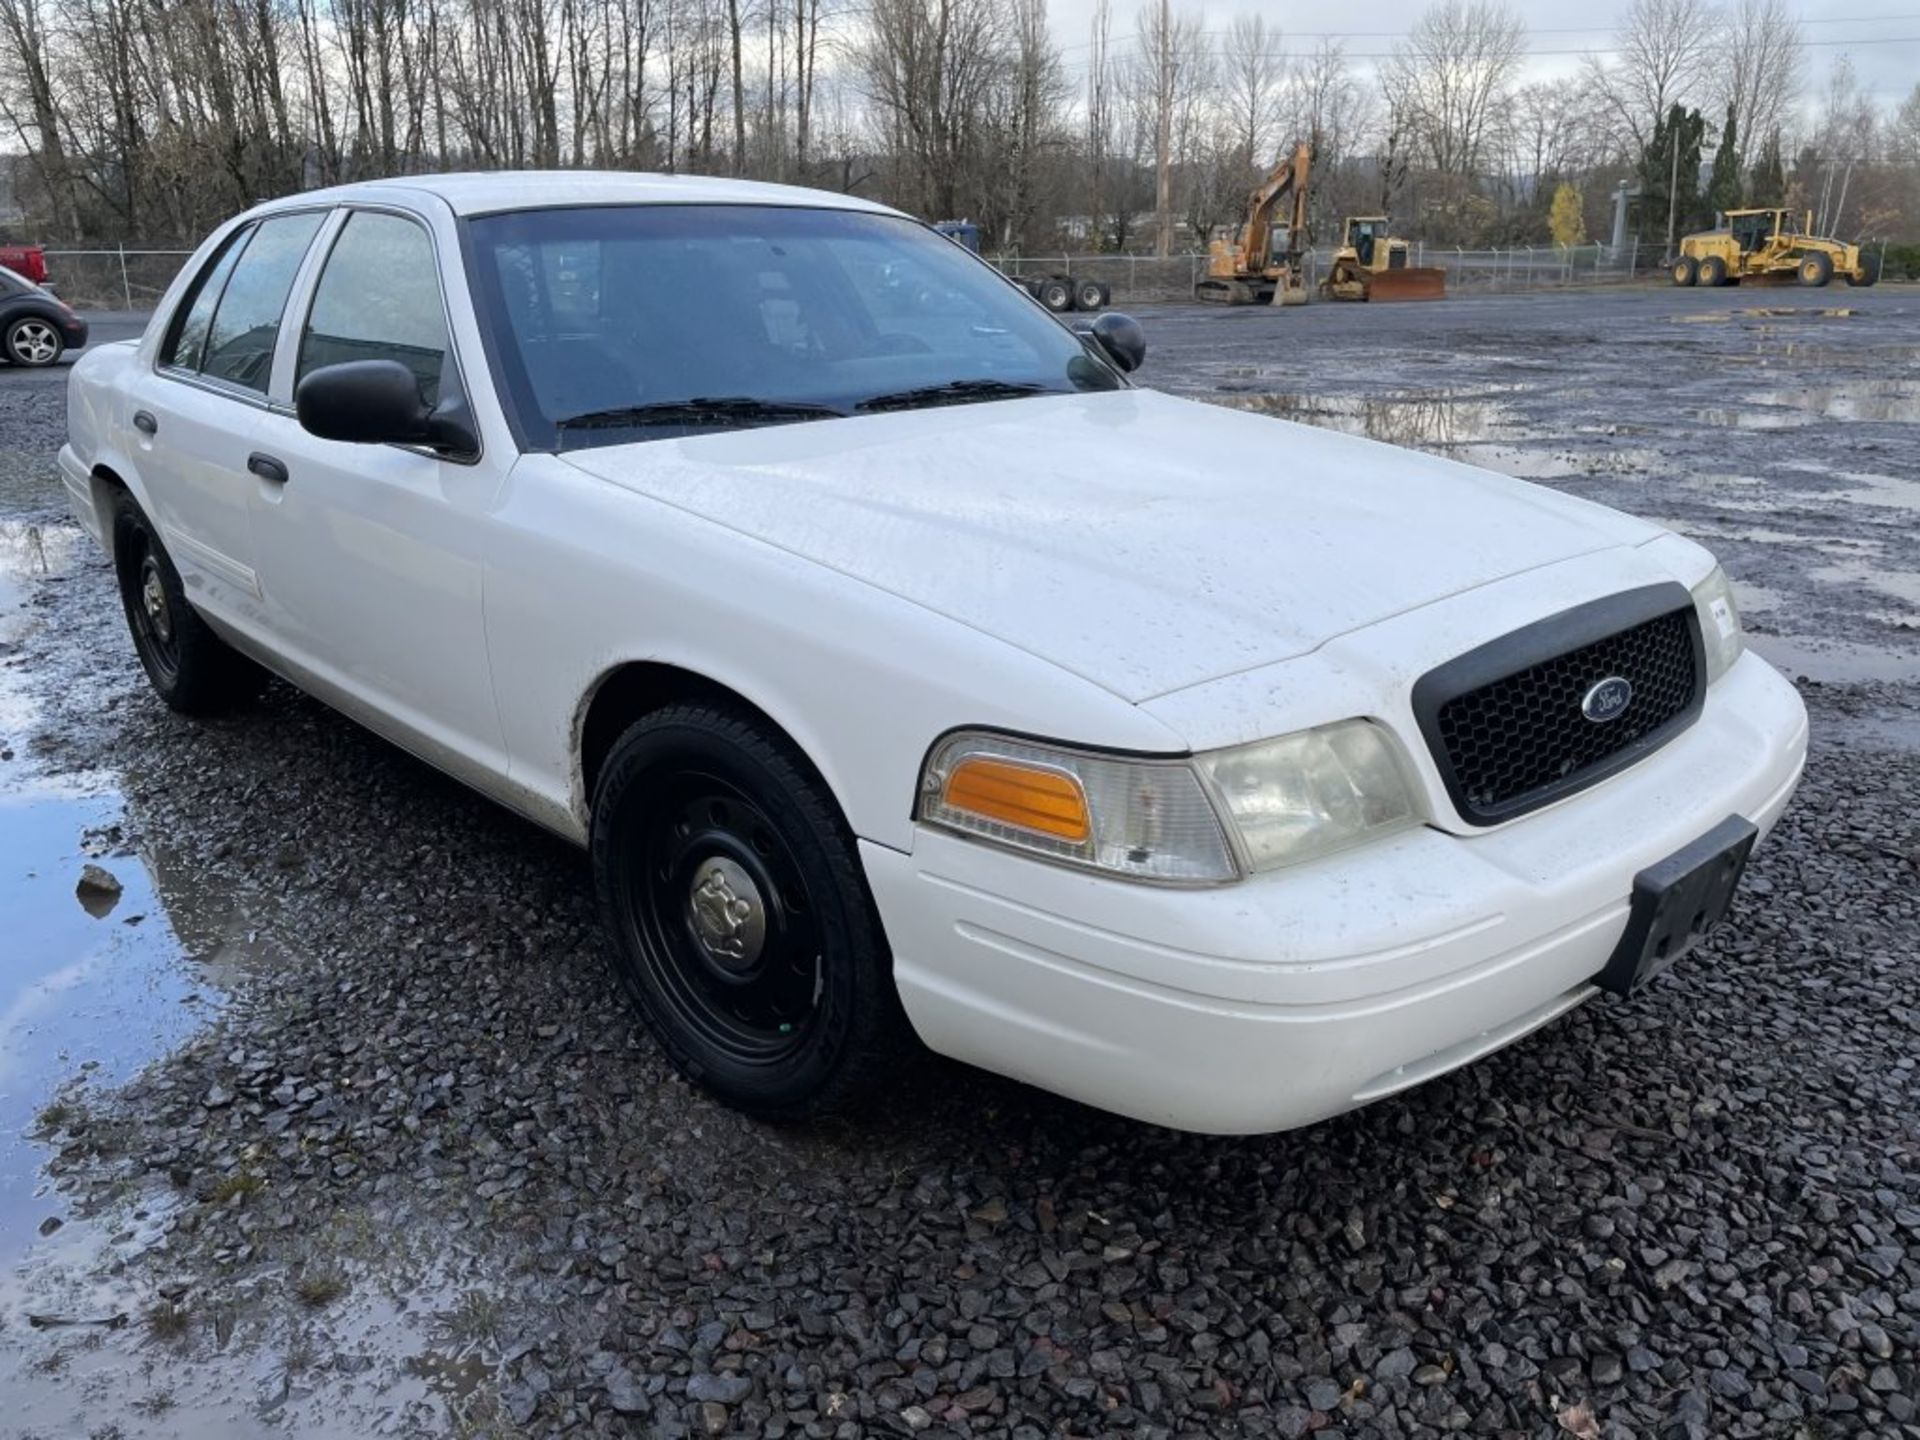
267,468
144,422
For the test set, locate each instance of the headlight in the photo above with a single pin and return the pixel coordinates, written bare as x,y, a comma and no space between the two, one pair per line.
1309,793
1147,819
1719,623
1283,801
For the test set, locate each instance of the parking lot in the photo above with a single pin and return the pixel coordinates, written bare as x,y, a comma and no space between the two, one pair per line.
329,1121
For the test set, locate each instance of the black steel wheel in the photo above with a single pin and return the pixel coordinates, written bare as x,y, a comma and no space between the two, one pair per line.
190,667
741,922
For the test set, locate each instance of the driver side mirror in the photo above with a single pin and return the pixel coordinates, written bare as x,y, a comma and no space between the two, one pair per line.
1121,340
377,402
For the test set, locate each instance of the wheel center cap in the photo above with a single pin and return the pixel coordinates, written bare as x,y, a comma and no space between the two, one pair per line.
729,917
153,596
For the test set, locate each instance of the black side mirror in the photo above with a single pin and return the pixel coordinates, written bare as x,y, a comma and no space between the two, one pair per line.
1121,339
377,402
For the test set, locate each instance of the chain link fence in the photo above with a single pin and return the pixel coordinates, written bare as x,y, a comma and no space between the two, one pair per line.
129,278
123,278
1136,278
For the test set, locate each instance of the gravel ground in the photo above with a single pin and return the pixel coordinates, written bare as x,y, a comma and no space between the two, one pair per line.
418,1173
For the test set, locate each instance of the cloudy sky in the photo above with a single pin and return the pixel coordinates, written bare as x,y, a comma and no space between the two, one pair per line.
1881,36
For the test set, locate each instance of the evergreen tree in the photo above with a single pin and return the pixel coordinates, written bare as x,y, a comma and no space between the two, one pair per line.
1670,175
1768,185
1723,186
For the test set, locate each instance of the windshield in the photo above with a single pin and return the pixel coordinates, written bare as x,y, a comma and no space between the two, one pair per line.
620,323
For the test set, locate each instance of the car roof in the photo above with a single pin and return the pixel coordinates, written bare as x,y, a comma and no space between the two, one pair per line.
477,193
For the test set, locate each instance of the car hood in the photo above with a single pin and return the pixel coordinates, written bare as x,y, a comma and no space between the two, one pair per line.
1143,542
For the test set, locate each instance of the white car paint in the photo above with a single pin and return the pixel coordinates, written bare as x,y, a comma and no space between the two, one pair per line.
1121,571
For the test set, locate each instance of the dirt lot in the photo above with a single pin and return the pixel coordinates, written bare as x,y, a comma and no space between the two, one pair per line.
328,1122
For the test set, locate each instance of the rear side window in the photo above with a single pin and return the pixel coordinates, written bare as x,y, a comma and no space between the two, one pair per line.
188,335
379,299
246,323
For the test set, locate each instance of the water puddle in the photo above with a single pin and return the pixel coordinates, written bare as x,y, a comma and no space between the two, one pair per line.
1420,421
1463,425
1865,401
1834,662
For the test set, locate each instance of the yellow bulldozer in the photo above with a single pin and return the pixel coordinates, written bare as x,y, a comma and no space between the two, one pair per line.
1764,245
1263,263
1371,265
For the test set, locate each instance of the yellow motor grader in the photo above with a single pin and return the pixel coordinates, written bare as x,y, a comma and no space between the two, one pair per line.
1371,265
1764,245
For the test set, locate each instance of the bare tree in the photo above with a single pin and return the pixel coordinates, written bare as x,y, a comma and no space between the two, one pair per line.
1448,79
1664,50
1757,77
1252,75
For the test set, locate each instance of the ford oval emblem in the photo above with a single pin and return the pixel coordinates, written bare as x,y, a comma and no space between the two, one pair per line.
1608,700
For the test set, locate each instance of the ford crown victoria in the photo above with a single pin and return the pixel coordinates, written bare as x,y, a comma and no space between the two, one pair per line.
905,669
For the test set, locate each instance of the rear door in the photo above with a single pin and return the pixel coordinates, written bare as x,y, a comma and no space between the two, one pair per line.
198,414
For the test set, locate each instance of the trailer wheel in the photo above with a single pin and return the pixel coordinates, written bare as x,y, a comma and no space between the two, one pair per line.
1685,270
1817,269
1055,294
1713,271
1868,273
1089,295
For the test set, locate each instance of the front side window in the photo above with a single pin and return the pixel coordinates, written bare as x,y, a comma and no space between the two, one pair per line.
613,324
187,337
246,324
379,299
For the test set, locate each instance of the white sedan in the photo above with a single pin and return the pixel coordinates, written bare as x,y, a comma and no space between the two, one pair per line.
908,672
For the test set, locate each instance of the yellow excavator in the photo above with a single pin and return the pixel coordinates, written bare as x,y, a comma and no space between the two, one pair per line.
1264,263
1371,265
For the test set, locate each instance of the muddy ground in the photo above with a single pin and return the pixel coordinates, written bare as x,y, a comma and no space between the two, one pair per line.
327,1122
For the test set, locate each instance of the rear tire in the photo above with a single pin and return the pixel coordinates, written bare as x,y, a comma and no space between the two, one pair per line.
1868,273
1713,271
1055,294
192,669
1816,270
34,341
1089,295
1685,271
742,927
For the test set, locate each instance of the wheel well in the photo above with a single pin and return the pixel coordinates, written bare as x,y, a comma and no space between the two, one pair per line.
638,688
103,485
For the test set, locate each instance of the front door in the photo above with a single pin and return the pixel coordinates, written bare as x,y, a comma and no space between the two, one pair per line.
370,555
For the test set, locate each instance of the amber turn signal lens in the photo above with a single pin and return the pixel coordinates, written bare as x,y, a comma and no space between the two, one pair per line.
1046,802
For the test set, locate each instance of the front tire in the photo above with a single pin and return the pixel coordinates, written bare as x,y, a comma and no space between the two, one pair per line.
192,669
1867,274
739,914
34,342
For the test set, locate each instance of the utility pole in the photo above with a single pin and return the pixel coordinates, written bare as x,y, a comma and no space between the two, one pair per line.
1673,184
1163,133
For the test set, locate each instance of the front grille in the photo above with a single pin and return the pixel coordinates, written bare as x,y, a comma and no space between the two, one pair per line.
1506,724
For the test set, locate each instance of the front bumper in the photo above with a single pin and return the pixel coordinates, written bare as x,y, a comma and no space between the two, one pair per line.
1300,993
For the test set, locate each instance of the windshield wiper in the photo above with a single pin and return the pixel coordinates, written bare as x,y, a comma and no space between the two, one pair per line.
954,392
715,411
